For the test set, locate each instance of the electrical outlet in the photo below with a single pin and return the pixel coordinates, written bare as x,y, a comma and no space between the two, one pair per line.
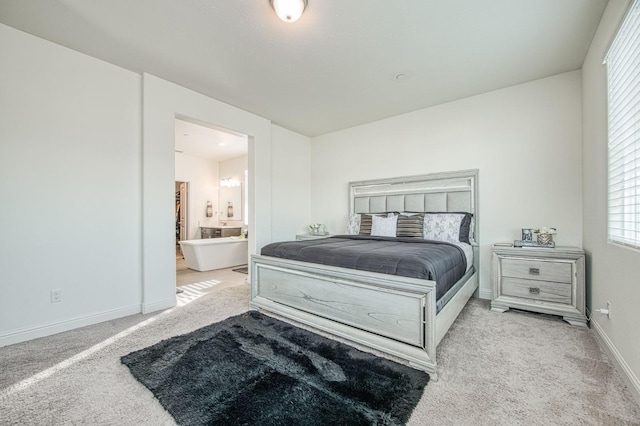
56,296
609,310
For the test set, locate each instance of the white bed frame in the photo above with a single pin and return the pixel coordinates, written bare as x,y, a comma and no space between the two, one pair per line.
393,314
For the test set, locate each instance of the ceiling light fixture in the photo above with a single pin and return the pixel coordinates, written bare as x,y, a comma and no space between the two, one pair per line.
289,10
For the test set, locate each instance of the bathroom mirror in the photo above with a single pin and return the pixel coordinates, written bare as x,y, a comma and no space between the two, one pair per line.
230,203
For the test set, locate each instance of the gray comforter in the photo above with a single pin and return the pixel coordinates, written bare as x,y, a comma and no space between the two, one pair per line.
408,257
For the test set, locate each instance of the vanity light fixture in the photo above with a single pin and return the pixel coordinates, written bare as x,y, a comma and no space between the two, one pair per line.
229,182
289,10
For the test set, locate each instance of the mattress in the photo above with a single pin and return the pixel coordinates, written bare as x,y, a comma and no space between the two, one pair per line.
441,262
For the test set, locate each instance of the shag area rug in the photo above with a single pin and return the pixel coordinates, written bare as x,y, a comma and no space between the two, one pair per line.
252,369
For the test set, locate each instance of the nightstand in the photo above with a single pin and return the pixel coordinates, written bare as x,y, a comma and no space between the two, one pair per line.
303,237
546,280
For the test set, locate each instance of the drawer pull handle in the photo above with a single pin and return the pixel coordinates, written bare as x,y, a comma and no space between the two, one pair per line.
534,271
534,290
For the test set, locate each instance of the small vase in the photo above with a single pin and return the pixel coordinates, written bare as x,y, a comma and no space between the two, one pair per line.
545,238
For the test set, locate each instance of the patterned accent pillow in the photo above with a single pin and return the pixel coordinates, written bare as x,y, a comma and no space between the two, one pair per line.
443,226
353,227
365,224
384,226
410,225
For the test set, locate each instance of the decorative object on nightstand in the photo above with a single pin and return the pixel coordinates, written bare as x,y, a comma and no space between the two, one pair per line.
318,229
303,237
544,240
550,281
527,234
545,235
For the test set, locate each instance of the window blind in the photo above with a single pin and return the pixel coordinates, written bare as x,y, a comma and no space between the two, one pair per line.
623,80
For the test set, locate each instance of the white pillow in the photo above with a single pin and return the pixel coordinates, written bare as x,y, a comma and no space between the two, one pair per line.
443,226
384,226
353,226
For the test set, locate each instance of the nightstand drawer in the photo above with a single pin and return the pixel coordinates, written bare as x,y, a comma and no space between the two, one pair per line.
537,270
538,290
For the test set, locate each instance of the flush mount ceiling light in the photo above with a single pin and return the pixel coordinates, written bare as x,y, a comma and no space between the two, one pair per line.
289,10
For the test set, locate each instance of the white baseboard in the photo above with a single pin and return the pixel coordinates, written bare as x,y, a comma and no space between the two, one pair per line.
17,336
621,365
485,294
159,305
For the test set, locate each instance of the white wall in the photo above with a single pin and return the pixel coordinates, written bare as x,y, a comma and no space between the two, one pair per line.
202,175
70,185
88,189
612,271
525,140
291,184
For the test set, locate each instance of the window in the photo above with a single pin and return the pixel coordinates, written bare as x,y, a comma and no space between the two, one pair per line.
623,82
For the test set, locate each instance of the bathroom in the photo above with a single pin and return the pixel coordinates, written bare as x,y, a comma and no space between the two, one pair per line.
211,176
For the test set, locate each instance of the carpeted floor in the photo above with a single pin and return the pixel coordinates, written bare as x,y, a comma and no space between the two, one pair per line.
494,369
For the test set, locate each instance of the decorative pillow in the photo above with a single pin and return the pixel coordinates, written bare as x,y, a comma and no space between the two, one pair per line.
443,227
465,228
353,227
365,224
410,225
384,226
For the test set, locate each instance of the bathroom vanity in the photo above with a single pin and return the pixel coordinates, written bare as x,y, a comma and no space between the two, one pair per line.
220,231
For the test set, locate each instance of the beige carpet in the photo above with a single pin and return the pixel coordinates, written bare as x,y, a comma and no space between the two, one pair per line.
495,369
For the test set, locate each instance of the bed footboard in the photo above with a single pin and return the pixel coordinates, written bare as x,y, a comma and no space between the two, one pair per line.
395,315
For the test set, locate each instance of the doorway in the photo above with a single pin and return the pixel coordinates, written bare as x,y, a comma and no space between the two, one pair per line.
210,163
162,102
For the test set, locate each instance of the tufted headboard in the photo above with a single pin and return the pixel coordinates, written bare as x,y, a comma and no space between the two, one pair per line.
436,192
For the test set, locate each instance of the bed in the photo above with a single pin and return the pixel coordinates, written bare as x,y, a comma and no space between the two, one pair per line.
381,302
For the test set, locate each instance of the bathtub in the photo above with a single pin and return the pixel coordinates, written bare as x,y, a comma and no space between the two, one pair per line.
215,253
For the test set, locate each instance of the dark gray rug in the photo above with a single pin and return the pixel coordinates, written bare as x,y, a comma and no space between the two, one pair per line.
252,369
242,270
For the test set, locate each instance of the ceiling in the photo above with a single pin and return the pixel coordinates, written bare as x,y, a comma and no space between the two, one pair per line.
344,63
205,142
